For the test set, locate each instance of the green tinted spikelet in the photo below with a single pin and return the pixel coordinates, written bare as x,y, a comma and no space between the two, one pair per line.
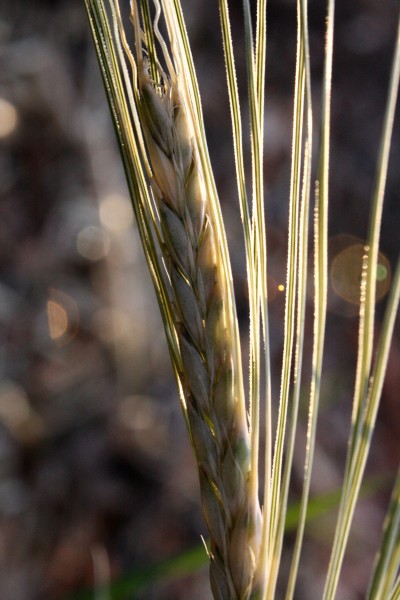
218,429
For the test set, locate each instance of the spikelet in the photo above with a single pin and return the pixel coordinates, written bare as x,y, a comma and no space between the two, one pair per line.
217,423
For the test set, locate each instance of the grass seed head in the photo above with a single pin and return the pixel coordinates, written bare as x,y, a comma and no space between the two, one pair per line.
199,304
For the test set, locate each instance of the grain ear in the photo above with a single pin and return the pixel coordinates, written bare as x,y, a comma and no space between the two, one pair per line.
157,117
218,428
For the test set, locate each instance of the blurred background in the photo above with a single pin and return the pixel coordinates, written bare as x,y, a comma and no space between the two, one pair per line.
97,479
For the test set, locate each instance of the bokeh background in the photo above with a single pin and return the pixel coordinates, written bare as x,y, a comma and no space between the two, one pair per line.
97,480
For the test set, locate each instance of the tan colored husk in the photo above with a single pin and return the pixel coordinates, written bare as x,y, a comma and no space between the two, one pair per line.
216,420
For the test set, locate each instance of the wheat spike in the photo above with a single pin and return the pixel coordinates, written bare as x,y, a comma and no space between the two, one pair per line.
217,424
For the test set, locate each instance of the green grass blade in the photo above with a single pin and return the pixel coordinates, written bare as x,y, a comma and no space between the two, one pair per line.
364,410
321,234
240,171
369,418
303,264
260,64
395,592
255,60
304,504
259,73
279,486
374,232
236,129
260,54
259,250
368,287
294,280
388,559
251,262
368,302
